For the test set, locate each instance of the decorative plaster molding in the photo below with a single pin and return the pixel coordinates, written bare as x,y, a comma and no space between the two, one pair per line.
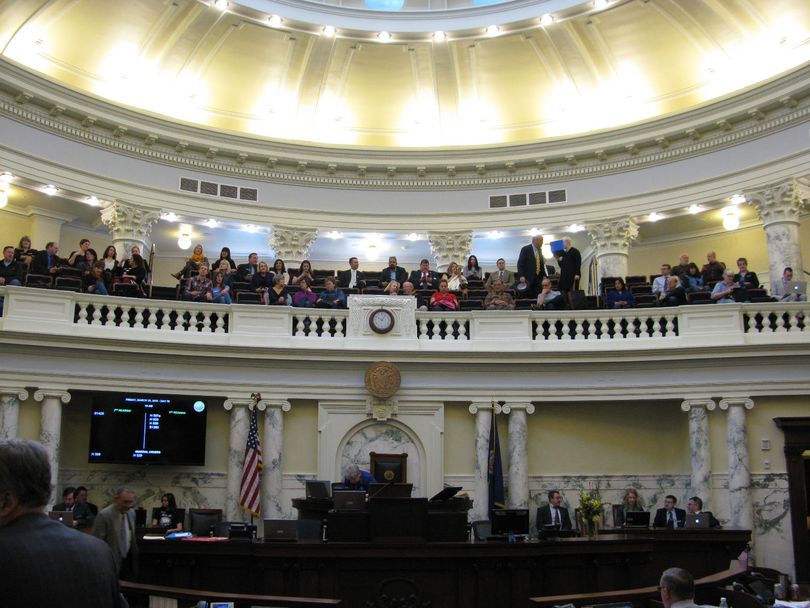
99,123
613,236
688,404
509,407
728,402
18,391
782,202
449,247
125,220
475,407
292,243
44,393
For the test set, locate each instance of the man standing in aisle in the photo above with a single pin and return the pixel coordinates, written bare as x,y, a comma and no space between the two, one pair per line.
115,525
531,268
570,261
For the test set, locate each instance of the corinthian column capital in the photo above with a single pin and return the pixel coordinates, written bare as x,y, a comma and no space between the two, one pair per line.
449,247
613,236
128,221
780,202
292,244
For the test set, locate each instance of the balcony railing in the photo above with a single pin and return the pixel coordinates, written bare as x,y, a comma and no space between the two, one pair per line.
57,313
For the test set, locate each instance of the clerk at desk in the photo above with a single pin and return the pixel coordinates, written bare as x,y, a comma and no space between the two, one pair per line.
355,479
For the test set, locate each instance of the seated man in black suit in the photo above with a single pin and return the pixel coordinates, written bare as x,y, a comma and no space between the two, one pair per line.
392,272
674,293
47,261
553,514
424,278
43,562
694,506
245,272
670,516
352,278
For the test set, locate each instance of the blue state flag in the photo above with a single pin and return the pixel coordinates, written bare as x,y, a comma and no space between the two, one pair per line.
495,470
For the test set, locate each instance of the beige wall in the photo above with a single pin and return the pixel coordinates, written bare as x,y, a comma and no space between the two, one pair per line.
301,438
13,227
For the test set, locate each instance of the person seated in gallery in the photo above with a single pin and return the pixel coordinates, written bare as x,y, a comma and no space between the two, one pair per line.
305,273
630,502
393,272
553,514
304,297
744,277
224,268
713,270
682,267
620,296
23,252
694,506
245,272
77,258
549,298
780,289
499,298
472,270
331,296
262,281
82,516
443,300
507,276
199,287
356,479
674,293
393,288
167,515
352,278
224,255
278,295
669,516
220,289
68,500
12,272
47,261
94,281
456,281
693,279
723,292
424,277
134,270
193,263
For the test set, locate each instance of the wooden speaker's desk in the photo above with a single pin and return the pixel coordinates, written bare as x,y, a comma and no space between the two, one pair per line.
486,575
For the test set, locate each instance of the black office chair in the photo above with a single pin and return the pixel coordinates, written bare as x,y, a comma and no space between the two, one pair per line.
201,521
481,529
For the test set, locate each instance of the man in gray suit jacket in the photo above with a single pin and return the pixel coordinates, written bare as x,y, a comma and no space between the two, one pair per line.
42,561
115,525
507,276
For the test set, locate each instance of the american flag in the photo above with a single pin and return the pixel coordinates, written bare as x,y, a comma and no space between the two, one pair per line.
250,489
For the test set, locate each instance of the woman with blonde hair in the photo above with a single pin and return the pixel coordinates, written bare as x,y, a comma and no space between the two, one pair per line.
630,502
193,263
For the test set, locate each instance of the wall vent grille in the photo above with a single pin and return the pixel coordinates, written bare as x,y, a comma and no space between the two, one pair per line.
188,184
517,200
498,202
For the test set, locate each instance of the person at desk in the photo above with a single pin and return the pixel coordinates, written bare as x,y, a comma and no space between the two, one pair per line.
670,516
677,589
355,479
695,507
553,514
630,502
167,515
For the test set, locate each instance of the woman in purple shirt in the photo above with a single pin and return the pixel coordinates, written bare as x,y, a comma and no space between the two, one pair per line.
304,297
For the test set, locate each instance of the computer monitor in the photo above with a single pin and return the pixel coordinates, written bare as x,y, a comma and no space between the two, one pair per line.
202,520
318,488
510,521
637,519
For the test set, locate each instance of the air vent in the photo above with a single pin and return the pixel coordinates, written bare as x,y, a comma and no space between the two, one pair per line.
209,188
228,191
248,194
517,200
557,196
497,202
537,198
189,185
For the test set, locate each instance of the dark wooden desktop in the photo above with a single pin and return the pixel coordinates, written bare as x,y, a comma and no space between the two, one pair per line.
486,574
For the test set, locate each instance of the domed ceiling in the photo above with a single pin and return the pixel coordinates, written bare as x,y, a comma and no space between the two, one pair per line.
228,66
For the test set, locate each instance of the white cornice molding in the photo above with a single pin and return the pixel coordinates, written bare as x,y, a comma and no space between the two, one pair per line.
753,113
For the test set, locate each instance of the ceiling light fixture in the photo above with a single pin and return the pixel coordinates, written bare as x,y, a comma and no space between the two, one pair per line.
333,234
383,36
535,232
495,234
329,31
738,199
184,242
6,177
171,216
493,30
413,237
439,36
3,196
695,208
600,4
275,21
731,218
654,217
211,223
546,20
251,228
50,189
92,201
221,4
575,228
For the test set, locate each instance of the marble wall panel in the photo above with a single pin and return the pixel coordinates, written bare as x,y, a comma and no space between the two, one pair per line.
383,439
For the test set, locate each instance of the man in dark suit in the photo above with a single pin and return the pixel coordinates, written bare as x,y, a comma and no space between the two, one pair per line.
570,261
352,278
424,278
43,562
553,514
670,516
392,272
47,261
531,268
694,506
115,525
675,293
245,272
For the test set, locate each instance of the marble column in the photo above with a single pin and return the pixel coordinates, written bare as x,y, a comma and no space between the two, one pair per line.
10,398
779,207
50,429
292,244
741,509
483,420
449,247
699,446
272,448
129,225
518,493
236,455
611,240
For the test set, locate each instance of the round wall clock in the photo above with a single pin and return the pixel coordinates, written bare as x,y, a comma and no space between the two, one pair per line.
381,321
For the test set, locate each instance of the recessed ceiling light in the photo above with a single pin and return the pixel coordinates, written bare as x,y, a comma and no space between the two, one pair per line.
334,234
546,19
329,31
251,228
600,4
439,36
654,217
495,234
274,21
535,232
171,216
695,208
383,36
221,4
50,189
413,237
92,201
575,228
493,30
738,199
6,177
212,223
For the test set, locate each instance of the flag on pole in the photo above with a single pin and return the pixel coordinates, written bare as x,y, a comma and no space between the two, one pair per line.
495,471
250,488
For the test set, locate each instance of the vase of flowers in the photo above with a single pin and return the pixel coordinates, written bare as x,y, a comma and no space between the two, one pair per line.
590,512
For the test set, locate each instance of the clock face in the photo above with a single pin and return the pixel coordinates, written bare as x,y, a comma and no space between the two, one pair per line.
381,321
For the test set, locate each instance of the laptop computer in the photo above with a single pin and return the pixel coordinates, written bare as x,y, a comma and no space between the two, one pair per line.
318,489
66,517
797,287
637,519
349,500
280,530
700,520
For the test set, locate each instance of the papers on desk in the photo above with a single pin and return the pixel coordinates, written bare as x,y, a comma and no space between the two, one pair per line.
153,537
206,539
786,604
